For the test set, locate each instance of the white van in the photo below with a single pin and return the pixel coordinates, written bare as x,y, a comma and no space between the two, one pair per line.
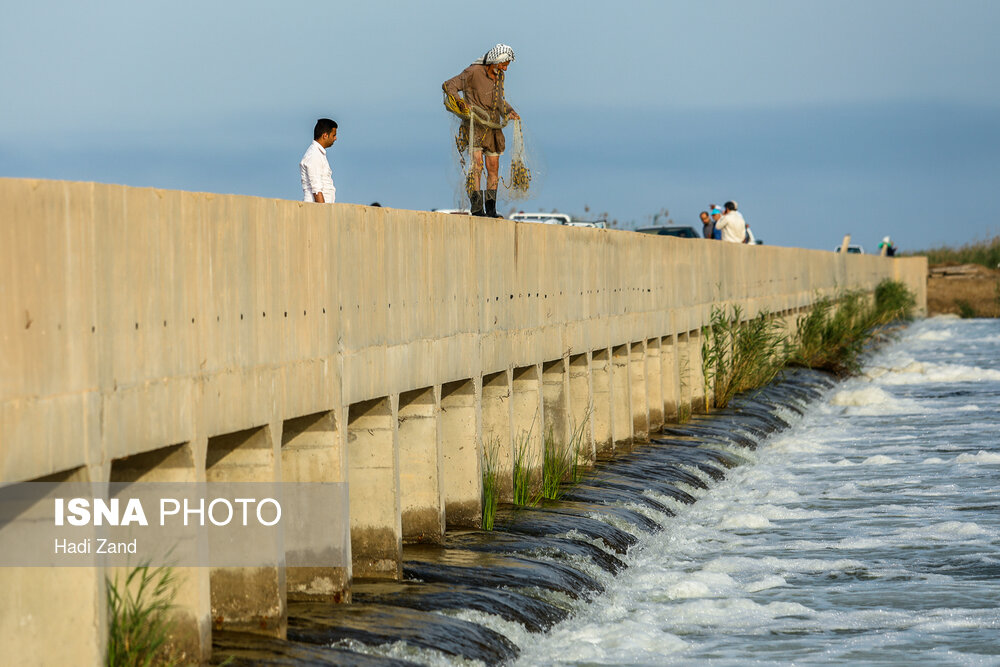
543,218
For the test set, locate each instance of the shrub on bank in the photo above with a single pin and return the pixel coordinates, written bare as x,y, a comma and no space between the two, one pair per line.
741,355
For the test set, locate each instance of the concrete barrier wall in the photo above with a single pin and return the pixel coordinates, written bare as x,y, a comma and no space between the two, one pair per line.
133,320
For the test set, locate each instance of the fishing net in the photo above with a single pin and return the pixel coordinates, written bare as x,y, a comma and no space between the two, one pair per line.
521,181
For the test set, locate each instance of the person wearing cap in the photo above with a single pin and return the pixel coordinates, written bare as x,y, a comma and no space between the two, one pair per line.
889,248
481,85
731,224
716,213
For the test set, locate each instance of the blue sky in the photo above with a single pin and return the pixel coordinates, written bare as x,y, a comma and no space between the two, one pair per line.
871,117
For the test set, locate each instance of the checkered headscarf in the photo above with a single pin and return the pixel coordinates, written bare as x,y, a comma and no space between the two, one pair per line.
500,53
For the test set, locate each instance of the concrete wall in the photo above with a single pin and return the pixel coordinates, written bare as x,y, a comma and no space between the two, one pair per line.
279,340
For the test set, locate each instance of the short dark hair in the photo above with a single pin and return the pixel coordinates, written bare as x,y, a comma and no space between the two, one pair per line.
730,206
323,126
702,213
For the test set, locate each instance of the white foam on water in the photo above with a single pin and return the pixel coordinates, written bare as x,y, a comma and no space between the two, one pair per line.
945,531
732,613
774,581
688,589
780,495
934,336
927,372
874,401
622,632
969,408
933,461
880,460
981,457
742,521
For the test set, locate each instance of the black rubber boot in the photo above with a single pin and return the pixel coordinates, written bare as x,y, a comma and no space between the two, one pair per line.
491,204
476,203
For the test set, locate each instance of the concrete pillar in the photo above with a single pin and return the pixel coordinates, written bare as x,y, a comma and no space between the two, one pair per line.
654,385
600,382
312,451
373,476
684,374
249,599
191,639
621,413
581,410
670,375
526,426
497,434
555,401
462,476
697,371
637,384
421,494
58,615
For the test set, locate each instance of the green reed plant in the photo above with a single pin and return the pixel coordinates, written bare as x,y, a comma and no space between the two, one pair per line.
739,355
833,334
491,479
139,622
524,460
561,461
557,461
893,301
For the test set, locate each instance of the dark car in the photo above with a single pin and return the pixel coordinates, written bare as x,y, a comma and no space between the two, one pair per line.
674,230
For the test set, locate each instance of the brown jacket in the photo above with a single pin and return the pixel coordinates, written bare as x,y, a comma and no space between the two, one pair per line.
480,90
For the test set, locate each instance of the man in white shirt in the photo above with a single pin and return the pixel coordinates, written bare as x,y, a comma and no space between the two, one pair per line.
731,224
317,177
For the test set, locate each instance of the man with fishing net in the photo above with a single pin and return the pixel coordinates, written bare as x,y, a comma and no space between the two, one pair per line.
484,113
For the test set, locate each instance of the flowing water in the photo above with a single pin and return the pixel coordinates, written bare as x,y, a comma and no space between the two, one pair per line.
867,533
862,527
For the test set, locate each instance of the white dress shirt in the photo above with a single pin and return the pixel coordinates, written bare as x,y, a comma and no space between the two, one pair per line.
733,227
316,174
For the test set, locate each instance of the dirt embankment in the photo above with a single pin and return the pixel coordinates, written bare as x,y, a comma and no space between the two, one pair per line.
969,290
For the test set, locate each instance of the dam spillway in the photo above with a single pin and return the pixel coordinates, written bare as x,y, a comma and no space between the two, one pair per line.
153,335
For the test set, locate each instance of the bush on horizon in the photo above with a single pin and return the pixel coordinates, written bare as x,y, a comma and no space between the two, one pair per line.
985,253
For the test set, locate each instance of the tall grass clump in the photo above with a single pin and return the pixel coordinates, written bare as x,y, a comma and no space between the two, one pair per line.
139,622
524,494
491,480
561,461
738,355
893,301
834,333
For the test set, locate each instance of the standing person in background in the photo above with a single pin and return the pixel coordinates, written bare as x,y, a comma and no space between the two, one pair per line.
482,87
707,226
716,215
314,169
889,248
732,225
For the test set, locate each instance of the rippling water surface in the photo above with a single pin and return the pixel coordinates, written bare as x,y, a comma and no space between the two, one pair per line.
867,533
